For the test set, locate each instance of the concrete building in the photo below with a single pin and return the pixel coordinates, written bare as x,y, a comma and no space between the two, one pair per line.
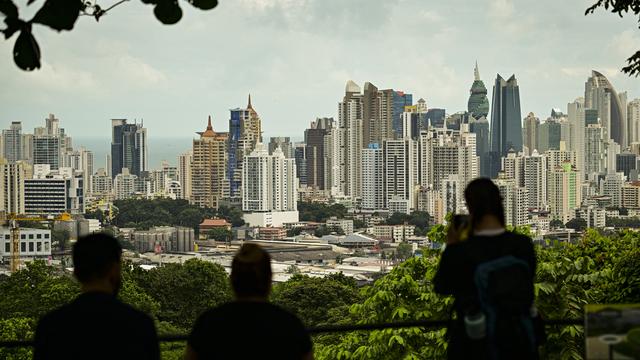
631,195
316,156
564,192
209,168
12,142
53,192
373,178
399,158
269,186
599,94
47,149
161,239
611,186
12,178
360,124
128,147
346,225
272,233
124,185
34,243
285,145
531,133
185,161
515,200
393,233
535,180
594,153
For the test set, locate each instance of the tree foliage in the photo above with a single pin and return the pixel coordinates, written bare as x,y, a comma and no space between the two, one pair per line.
62,15
320,212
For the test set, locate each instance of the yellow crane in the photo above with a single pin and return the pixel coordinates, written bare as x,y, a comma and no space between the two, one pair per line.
14,231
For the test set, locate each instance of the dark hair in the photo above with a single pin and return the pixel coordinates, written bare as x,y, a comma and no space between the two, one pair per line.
94,255
483,198
251,271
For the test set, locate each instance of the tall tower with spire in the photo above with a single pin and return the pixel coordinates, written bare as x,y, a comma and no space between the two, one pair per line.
478,104
245,131
208,168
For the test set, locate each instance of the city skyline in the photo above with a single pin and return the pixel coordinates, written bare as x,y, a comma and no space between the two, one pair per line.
164,89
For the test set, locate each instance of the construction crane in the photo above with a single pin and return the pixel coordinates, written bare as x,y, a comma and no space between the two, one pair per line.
14,231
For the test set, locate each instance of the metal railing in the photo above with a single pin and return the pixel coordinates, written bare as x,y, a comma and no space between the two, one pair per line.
330,329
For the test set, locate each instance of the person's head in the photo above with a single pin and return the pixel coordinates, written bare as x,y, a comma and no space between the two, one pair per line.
484,201
96,262
251,272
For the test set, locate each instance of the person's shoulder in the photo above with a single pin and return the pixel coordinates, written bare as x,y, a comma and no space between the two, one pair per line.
521,239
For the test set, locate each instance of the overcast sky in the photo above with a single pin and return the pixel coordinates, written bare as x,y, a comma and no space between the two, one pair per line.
295,56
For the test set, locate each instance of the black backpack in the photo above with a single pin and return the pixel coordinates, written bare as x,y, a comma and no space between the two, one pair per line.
505,295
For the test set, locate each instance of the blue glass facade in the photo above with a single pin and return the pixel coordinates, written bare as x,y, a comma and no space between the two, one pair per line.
400,100
235,135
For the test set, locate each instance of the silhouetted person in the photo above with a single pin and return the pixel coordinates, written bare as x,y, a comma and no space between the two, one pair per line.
96,325
249,327
490,273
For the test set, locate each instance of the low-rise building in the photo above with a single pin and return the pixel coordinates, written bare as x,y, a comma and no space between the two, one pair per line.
34,243
272,233
395,233
346,225
215,223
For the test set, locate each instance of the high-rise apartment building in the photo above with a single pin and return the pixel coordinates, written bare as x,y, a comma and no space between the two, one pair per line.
47,150
360,117
599,94
12,142
515,200
445,152
12,178
535,180
128,147
125,185
513,167
531,133
185,162
576,117
564,192
316,160
633,119
400,165
209,168
269,181
594,150
373,178
300,154
506,123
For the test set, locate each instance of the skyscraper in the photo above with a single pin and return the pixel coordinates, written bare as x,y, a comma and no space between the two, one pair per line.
128,147
314,138
354,113
269,188
284,143
506,123
600,94
208,170
185,162
245,131
530,134
373,178
633,118
400,177
478,104
12,142
564,192
12,178
47,150
400,100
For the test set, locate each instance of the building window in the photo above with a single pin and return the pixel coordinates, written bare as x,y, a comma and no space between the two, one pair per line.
31,246
30,236
46,236
23,247
38,236
7,247
39,246
46,246
7,237
23,236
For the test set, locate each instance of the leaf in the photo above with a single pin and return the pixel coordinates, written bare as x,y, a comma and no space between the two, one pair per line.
26,52
59,14
8,8
168,12
204,4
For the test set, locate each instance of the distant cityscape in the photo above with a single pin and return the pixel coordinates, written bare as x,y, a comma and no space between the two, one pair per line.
383,154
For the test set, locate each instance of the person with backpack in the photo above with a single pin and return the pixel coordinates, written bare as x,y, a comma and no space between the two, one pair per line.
490,272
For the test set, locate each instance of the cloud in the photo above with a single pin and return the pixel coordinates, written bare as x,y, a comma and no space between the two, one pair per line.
503,9
141,73
625,43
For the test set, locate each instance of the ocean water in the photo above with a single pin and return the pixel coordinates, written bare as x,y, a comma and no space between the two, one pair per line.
159,149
